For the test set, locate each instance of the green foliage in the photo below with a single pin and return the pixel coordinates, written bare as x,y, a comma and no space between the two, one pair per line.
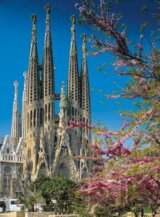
80,207
59,195
111,210
102,211
29,201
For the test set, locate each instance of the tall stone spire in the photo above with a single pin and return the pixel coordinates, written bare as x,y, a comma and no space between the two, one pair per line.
48,90
86,111
33,107
16,122
85,89
24,107
33,76
73,90
85,93
33,86
48,72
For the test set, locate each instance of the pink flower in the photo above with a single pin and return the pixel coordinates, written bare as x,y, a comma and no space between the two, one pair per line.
134,63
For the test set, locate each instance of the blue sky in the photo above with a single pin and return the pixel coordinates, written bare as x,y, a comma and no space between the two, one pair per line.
15,36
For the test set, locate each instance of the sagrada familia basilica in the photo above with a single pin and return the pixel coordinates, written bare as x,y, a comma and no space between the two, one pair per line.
42,141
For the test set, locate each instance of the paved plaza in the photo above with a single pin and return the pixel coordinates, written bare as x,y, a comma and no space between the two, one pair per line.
9,214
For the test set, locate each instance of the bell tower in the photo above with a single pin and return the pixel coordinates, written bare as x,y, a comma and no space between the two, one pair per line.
73,81
48,89
16,121
33,107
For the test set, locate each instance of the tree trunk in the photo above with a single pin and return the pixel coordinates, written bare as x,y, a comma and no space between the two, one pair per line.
142,212
135,214
154,213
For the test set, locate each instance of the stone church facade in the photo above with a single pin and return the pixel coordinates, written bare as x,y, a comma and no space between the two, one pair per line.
43,141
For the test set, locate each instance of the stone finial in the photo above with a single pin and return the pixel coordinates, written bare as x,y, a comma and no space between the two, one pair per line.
16,84
48,8
62,88
34,19
84,38
73,19
84,49
63,102
62,84
25,75
48,11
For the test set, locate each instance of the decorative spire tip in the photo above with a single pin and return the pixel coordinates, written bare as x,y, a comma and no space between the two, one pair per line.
73,19
16,84
34,19
84,49
48,8
25,75
62,89
62,84
84,38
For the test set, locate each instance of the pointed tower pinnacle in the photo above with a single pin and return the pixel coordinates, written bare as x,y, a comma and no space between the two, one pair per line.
25,86
33,77
86,112
48,89
84,49
73,90
85,93
73,29
16,123
85,90
31,101
24,107
48,11
33,53
48,72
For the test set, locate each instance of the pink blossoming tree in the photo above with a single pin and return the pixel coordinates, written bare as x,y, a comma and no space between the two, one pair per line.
126,179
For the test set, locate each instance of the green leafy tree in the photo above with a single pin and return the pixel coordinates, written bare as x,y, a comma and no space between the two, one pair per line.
28,201
59,193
